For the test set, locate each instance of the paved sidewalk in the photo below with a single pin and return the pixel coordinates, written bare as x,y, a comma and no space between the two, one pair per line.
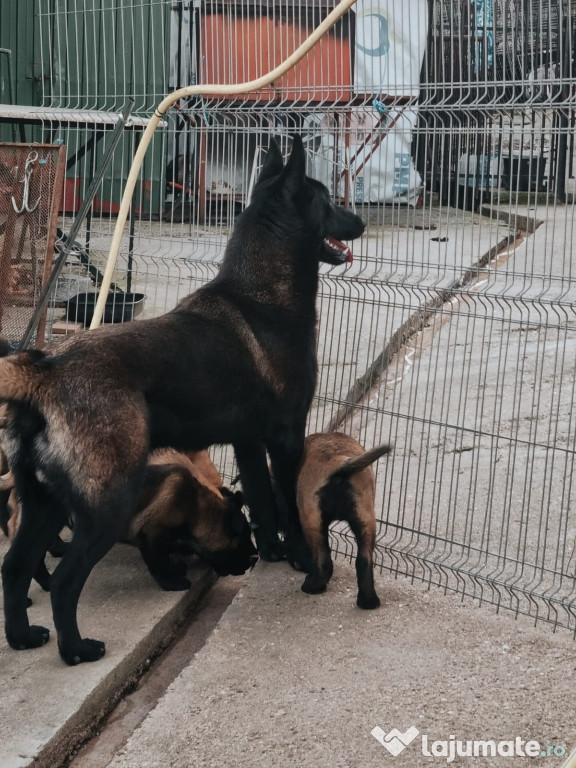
289,679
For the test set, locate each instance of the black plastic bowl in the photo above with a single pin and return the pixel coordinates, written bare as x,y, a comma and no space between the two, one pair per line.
120,307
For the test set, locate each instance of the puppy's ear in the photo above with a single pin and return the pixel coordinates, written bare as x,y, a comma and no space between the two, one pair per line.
295,170
273,163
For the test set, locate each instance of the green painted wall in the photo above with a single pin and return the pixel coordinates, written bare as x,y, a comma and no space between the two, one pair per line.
19,33
88,54
105,49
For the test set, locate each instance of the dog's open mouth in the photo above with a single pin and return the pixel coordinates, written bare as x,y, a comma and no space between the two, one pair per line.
336,252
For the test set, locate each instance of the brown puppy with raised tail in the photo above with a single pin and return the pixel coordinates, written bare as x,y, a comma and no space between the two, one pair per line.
336,482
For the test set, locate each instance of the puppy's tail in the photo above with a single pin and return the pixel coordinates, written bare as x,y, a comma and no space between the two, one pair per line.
20,376
358,463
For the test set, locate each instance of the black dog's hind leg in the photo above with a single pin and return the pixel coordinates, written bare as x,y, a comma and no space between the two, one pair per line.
4,511
40,520
57,547
42,576
285,456
93,536
257,489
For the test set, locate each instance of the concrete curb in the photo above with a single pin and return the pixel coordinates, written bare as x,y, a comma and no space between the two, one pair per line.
62,706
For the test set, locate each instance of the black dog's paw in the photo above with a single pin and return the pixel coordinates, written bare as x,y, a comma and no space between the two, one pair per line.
368,602
298,556
272,551
312,586
33,637
85,650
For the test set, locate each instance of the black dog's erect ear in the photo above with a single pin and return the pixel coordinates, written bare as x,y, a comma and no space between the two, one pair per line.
295,169
273,162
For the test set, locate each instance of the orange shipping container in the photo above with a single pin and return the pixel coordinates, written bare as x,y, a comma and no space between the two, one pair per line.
238,48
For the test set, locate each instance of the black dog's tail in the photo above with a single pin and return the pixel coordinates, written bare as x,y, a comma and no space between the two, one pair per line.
20,377
358,463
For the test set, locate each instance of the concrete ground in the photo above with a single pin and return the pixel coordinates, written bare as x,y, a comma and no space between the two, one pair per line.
289,679
47,708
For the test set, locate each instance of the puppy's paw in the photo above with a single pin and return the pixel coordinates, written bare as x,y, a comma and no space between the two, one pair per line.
85,650
368,602
33,637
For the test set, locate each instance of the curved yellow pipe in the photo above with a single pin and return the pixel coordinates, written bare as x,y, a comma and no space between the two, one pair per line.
162,108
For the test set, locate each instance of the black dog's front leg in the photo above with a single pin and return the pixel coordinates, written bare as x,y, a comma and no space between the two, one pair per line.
96,529
286,451
257,489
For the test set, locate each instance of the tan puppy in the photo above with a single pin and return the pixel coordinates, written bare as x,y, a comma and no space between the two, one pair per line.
182,497
204,465
9,513
8,500
336,482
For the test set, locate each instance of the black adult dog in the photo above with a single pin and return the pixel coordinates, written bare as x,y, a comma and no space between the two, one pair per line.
233,363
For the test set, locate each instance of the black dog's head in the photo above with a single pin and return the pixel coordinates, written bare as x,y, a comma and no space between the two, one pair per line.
310,201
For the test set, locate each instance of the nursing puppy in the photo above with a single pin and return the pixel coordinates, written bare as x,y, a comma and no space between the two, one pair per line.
336,482
182,498
183,502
